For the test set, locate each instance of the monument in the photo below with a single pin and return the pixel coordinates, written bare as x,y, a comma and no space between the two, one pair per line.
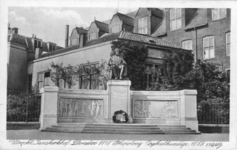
119,88
119,104
118,66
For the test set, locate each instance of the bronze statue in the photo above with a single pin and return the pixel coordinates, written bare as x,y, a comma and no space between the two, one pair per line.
118,66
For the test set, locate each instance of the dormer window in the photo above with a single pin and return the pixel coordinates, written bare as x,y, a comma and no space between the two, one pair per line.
51,47
37,43
218,13
92,36
142,26
175,19
115,29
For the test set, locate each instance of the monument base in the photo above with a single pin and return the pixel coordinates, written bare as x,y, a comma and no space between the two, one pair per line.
119,97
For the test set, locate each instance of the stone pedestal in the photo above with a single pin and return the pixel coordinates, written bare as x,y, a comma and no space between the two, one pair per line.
49,98
118,97
188,109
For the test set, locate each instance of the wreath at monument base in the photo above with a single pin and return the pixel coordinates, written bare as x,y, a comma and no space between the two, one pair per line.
120,117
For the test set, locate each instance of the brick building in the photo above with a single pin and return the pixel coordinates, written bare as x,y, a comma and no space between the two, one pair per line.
206,32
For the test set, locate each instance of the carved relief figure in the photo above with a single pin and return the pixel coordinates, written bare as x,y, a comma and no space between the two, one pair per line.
118,66
79,108
83,108
93,108
141,111
169,110
98,108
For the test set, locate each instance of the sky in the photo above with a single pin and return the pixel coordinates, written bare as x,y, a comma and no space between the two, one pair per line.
48,24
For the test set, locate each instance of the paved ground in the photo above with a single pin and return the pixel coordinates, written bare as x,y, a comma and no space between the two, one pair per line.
36,134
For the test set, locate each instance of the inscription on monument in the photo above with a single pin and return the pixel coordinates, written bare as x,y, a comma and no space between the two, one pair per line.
119,92
69,107
155,109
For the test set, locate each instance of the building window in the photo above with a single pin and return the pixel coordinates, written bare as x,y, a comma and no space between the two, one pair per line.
92,36
43,79
37,44
218,13
208,47
175,19
115,29
187,45
52,47
228,44
142,25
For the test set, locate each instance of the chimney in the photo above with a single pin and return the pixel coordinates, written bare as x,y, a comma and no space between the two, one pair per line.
66,35
14,30
38,53
9,27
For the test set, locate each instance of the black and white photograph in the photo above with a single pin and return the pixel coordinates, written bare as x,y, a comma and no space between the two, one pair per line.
118,74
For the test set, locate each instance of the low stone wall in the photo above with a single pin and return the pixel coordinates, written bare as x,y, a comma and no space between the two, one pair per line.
98,106
165,107
85,106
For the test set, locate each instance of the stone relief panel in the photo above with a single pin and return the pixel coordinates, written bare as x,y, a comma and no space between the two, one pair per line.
155,109
84,108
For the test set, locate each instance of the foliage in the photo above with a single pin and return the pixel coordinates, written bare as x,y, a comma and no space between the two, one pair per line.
213,113
135,56
209,81
179,72
174,68
21,107
57,73
69,75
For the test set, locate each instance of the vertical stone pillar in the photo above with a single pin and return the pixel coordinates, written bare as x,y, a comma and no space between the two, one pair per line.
119,97
189,109
49,98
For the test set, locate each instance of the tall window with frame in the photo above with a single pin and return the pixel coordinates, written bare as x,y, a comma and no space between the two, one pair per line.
115,29
43,79
175,19
228,44
208,47
143,25
188,44
218,13
92,36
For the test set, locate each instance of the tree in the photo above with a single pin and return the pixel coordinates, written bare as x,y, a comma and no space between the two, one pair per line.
69,75
174,68
56,74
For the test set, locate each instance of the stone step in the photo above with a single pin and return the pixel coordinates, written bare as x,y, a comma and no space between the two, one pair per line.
124,132
62,130
121,128
109,129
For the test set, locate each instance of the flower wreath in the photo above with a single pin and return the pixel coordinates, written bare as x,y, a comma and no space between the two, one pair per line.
123,117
